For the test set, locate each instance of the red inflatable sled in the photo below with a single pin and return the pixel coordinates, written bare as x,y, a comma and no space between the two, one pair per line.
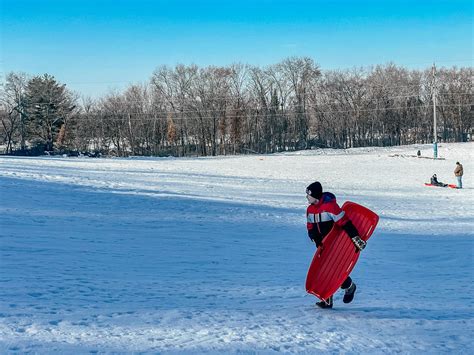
336,256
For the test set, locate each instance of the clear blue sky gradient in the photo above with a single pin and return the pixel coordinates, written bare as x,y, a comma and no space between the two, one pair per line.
97,45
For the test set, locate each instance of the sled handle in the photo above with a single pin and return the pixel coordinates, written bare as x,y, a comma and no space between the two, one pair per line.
370,230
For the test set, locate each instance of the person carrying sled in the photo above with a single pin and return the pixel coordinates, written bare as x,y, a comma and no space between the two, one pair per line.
458,172
321,214
434,181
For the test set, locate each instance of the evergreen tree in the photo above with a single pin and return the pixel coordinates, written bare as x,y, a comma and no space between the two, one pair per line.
49,105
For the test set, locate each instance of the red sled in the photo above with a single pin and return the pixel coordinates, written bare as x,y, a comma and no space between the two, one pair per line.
336,256
453,186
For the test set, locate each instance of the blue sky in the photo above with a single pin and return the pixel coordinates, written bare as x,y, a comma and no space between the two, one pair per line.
95,46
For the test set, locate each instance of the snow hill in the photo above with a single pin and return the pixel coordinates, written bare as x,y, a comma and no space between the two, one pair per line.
209,255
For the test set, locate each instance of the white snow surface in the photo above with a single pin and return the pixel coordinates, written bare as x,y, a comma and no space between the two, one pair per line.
209,255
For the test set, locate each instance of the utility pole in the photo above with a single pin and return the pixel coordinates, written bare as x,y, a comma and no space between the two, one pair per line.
435,128
22,124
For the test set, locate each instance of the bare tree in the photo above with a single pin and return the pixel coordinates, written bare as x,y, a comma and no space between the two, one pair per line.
14,110
187,110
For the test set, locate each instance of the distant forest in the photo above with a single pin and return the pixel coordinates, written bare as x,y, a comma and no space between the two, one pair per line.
188,110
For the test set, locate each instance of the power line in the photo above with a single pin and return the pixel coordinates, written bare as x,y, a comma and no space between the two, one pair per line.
197,100
156,116
290,106
324,90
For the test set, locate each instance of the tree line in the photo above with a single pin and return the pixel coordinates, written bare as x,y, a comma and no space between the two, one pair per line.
189,110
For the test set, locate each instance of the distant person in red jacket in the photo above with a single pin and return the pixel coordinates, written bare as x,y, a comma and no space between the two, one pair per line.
323,211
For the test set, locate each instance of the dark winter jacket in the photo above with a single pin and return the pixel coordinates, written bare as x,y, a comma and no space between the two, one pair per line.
322,216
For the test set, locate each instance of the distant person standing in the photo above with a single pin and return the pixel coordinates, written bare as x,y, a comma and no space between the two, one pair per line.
418,153
458,172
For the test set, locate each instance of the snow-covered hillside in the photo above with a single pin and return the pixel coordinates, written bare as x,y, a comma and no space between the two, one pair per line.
210,255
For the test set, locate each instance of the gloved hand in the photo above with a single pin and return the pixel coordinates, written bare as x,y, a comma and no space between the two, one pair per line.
359,243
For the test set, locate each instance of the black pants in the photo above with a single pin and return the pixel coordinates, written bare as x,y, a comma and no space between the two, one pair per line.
347,283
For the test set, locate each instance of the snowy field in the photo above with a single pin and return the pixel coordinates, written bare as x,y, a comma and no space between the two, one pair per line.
209,255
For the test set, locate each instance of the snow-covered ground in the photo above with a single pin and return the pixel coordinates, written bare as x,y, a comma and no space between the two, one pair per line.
209,255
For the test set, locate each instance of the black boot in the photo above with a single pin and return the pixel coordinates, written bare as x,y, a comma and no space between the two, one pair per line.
325,304
349,293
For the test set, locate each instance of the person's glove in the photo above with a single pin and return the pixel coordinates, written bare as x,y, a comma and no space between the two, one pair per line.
359,243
